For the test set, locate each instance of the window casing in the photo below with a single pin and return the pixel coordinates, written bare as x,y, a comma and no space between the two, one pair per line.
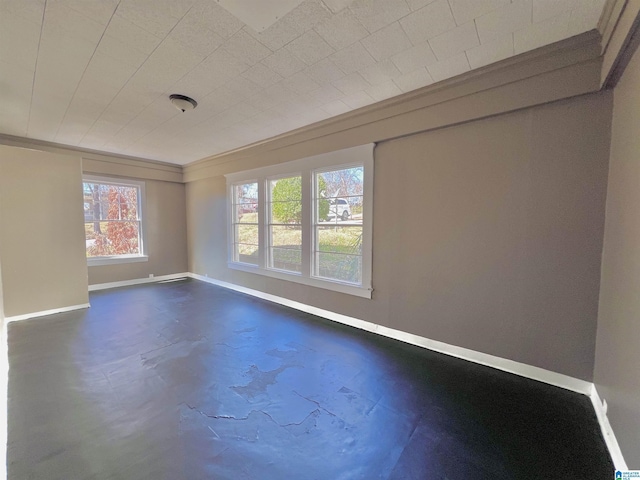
338,223
113,220
244,223
312,219
284,223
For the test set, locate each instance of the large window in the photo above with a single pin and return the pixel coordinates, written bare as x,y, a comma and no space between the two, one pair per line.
307,221
112,220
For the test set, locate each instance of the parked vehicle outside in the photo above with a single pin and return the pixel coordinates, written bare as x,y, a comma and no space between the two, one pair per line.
339,208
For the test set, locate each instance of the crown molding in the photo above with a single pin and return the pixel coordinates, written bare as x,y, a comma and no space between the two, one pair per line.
567,68
564,68
609,19
103,163
619,24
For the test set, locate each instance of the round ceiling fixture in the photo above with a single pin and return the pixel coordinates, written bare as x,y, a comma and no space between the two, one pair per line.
182,102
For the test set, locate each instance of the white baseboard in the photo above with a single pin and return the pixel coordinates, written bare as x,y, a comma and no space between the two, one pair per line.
136,281
607,431
517,368
16,318
511,366
4,387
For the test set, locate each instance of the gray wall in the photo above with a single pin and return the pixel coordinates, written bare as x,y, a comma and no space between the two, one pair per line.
487,235
617,368
41,234
165,237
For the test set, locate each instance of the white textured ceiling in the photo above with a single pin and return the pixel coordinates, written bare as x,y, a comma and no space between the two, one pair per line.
97,73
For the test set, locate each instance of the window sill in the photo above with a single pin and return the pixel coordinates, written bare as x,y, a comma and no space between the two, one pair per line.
335,286
98,261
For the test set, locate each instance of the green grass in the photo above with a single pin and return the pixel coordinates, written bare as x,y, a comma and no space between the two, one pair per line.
334,242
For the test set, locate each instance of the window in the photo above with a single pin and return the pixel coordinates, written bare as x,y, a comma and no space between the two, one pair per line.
285,224
307,221
245,223
113,220
337,253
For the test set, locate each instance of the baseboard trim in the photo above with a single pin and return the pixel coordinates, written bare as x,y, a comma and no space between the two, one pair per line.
43,313
4,389
136,281
517,368
607,432
511,366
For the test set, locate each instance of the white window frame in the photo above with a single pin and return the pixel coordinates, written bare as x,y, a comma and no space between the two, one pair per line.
306,167
131,258
314,220
267,214
232,223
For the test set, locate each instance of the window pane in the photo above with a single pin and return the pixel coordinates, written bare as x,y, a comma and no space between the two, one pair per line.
343,267
247,253
245,193
286,200
340,239
245,232
286,212
88,210
286,245
285,231
247,213
286,236
103,209
283,189
339,216
246,203
112,222
289,259
108,238
339,195
110,202
120,203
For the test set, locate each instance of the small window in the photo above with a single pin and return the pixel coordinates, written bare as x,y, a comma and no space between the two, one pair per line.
112,220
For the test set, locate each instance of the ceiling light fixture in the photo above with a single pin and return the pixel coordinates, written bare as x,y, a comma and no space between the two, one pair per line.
182,102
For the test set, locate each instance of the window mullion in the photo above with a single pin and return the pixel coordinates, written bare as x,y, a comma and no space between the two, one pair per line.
367,220
262,223
307,220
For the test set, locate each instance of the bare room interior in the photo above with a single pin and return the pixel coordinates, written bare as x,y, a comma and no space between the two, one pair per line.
319,239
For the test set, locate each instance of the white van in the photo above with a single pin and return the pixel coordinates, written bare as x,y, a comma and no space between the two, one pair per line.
339,207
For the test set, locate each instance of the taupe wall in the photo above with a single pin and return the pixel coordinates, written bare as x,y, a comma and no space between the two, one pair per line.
41,235
165,239
1,289
164,212
617,367
487,235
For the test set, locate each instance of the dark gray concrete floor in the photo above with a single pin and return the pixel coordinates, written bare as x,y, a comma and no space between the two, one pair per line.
190,381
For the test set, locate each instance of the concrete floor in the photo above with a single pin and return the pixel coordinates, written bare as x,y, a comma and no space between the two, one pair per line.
186,380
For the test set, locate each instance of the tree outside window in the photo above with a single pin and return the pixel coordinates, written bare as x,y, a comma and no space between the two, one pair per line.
112,219
307,221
